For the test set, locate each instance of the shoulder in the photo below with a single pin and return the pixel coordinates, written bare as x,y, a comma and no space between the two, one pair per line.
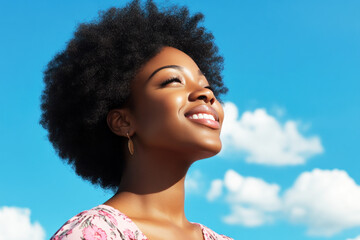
102,221
211,235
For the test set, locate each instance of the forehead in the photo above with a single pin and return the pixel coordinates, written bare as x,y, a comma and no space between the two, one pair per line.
167,56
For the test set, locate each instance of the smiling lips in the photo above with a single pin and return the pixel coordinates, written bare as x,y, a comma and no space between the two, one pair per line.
204,115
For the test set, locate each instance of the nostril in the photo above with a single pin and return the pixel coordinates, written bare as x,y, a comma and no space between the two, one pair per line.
202,97
202,94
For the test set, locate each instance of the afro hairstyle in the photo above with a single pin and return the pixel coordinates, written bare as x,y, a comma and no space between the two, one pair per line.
92,75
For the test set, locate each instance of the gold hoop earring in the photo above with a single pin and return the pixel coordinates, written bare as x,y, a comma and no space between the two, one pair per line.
130,145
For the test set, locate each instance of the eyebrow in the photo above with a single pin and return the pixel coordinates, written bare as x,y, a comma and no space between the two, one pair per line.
172,66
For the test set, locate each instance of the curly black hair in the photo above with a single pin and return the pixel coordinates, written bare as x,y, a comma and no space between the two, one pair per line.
93,75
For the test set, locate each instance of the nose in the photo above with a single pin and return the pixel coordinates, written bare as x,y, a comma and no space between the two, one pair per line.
204,94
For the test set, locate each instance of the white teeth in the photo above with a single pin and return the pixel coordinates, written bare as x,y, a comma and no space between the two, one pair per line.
202,116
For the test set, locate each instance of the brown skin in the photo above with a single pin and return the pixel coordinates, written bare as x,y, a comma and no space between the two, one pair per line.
166,143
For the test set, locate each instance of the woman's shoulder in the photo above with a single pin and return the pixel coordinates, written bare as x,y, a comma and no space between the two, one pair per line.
212,235
105,222
102,221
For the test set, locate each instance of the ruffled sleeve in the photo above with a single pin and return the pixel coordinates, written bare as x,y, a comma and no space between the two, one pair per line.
211,235
106,223
98,224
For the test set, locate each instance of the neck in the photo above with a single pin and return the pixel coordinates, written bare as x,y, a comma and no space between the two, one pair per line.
152,187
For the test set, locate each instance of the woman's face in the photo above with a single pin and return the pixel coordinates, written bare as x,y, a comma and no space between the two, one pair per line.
173,107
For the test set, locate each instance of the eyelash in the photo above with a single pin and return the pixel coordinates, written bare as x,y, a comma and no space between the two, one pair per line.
175,79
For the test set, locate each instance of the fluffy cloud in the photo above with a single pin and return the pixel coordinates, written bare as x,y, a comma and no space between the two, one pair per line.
326,201
252,200
215,190
251,191
15,224
264,140
194,182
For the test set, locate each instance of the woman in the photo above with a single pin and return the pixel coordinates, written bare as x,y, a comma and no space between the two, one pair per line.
131,104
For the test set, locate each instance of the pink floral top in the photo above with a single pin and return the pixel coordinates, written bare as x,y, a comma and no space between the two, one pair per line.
106,223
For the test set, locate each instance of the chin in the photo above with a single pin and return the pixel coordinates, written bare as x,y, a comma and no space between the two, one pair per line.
210,148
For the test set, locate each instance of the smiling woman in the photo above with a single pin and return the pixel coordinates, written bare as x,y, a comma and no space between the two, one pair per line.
131,104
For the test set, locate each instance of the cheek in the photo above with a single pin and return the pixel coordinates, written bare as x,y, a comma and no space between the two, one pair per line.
159,115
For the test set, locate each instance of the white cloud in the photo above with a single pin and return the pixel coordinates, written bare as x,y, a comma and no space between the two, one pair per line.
15,224
215,190
249,217
252,200
254,192
194,182
325,201
356,238
264,140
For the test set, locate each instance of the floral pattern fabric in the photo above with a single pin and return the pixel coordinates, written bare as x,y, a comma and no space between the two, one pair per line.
106,223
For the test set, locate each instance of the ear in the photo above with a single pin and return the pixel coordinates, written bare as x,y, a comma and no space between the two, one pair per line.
120,122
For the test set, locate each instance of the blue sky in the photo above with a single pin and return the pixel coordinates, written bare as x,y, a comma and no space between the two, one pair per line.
290,166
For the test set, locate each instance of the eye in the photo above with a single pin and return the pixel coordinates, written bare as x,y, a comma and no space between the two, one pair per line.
168,81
